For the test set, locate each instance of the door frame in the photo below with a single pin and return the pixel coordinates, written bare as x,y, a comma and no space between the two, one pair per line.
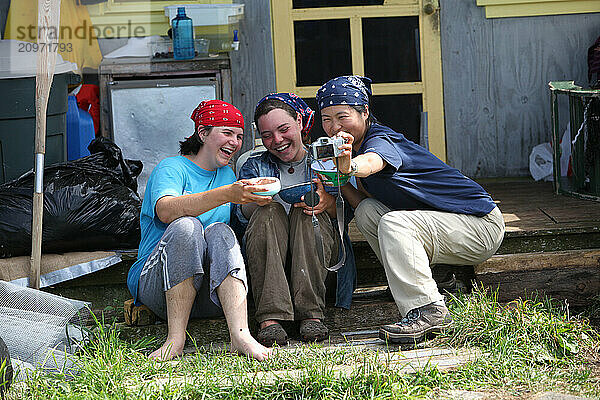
430,86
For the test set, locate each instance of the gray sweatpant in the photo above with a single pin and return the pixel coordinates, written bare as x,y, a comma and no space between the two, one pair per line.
185,250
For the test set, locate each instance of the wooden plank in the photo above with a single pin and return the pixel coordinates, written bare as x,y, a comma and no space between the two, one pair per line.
531,208
356,45
578,286
550,240
506,2
48,21
573,213
542,8
17,267
407,362
431,71
379,89
320,13
253,71
283,45
570,275
540,261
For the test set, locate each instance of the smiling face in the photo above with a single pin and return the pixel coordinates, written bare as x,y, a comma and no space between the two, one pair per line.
281,135
345,118
220,144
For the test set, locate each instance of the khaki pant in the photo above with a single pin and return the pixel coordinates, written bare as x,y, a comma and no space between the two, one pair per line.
272,238
408,242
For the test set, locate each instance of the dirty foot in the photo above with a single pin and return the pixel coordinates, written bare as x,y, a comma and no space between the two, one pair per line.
244,343
169,350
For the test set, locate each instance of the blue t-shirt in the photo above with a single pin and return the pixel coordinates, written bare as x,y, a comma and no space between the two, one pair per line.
415,179
175,176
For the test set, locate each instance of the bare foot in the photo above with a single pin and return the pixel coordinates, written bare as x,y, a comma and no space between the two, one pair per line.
169,350
243,343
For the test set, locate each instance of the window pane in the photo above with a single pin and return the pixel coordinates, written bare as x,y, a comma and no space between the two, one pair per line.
401,112
391,49
322,50
334,3
317,129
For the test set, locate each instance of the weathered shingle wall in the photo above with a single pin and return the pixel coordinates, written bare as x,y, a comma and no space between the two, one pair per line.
496,74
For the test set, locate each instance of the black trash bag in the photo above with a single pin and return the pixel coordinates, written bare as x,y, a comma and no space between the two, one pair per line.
6,371
89,204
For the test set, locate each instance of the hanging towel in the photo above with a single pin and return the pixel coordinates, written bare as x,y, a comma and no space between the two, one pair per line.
78,43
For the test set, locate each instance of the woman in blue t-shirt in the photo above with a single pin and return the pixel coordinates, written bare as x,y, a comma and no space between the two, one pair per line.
413,209
189,262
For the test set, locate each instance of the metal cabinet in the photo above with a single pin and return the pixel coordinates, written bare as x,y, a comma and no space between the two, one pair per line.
146,103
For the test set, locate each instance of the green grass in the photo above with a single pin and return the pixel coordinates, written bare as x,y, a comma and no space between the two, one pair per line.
529,346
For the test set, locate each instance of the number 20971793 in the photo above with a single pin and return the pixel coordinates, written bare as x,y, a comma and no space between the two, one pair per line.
52,47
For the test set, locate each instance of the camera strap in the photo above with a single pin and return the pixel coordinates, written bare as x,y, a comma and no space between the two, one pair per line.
339,211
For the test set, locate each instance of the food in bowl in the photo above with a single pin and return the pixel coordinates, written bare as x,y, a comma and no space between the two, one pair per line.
270,183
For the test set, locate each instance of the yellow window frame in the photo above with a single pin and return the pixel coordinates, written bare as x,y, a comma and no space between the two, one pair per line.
522,8
430,87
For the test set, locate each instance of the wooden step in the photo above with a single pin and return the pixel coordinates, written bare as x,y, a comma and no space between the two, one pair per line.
364,318
572,275
401,362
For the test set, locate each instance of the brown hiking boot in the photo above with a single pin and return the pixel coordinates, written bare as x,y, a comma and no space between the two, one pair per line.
417,325
272,334
313,331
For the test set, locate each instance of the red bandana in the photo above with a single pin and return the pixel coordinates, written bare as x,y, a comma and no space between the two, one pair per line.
217,113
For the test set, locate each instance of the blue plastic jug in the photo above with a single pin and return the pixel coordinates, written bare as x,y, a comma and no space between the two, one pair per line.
80,130
183,36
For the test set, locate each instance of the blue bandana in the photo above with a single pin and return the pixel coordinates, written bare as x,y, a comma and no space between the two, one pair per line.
292,100
352,90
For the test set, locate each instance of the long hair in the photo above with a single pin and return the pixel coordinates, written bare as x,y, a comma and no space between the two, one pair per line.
192,144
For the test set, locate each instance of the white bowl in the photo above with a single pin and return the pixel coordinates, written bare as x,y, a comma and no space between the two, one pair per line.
270,183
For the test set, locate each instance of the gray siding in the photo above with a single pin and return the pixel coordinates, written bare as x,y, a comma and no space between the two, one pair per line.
4,6
496,74
252,67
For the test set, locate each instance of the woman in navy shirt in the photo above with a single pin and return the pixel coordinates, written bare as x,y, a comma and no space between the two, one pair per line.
413,209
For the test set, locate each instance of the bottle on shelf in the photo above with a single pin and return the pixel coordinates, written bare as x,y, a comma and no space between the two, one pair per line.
183,36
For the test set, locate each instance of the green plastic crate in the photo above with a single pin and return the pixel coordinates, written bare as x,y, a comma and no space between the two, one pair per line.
17,124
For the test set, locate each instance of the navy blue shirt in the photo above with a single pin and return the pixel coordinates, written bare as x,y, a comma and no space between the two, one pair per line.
415,179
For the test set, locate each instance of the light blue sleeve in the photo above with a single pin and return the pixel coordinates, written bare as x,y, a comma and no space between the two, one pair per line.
164,181
248,171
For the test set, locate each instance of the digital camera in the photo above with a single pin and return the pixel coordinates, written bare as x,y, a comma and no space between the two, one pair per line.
326,147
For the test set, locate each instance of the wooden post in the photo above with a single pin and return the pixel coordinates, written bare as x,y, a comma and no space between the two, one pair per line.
48,39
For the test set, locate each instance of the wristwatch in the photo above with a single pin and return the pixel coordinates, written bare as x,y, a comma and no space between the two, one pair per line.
353,168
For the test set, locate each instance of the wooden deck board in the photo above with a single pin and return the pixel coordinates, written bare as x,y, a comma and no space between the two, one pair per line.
531,207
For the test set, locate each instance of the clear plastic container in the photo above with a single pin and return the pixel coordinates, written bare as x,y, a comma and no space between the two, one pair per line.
162,47
209,14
